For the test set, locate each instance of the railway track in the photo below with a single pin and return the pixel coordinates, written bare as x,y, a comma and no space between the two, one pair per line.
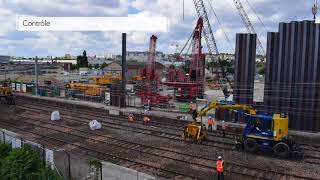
119,122
122,145
160,133
311,152
98,152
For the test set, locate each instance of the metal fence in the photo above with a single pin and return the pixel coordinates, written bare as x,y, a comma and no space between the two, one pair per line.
72,166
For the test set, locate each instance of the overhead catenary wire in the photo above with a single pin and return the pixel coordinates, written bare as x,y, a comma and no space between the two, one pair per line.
190,37
220,24
256,14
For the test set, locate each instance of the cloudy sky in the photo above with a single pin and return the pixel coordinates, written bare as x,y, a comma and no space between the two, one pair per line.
15,43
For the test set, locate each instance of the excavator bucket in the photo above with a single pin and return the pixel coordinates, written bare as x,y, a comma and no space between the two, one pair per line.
194,131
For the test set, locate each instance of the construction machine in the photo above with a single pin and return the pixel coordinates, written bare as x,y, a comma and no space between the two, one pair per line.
268,133
106,79
189,85
86,89
197,130
6,94
148,88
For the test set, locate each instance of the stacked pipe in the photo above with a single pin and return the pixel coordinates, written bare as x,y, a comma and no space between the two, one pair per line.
245,57
293,74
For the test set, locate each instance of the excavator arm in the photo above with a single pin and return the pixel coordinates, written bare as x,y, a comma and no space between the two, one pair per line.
227,105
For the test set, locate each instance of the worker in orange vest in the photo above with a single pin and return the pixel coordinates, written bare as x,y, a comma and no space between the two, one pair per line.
190,106
224,126
146,119
130,118
210,123
220,168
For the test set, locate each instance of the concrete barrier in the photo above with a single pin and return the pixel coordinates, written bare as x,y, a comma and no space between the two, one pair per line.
113,171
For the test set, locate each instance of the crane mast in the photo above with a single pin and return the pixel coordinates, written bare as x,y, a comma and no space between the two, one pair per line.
208,35
151,59
248,25
207,31
197,64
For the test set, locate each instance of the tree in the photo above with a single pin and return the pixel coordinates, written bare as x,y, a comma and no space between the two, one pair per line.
261,67
82,61
20,163
4,150
227,65
96,66
262,71
74,66
85,59
79,62
104,65
23,163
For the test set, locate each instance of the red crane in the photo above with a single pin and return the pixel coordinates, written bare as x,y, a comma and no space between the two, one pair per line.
148,72
189,85
149,90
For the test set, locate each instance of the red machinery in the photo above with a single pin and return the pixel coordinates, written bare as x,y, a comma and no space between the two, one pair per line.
190,85
148,90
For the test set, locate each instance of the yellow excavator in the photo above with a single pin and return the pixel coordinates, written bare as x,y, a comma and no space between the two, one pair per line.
197,130
6,94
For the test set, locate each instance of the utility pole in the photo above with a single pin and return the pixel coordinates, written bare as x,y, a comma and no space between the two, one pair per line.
122,98
36,74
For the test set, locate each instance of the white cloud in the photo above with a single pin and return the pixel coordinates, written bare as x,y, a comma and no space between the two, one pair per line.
69,7
58,43
7,21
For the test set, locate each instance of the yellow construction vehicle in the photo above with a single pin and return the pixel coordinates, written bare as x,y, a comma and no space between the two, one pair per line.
268,133
106,79
6,94
197,130
228,105
86,89
137,78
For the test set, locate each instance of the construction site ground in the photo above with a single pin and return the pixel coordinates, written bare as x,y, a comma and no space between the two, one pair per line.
302,136
157,148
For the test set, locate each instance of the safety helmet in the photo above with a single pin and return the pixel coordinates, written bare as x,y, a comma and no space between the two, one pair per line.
219,157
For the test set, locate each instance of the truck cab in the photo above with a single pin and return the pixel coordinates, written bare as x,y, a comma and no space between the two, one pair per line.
268,133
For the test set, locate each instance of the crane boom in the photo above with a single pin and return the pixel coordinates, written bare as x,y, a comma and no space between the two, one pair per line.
207,31
248,25
225,105
208,35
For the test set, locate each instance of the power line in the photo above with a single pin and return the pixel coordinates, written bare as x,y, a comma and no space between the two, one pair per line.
220,24
254,11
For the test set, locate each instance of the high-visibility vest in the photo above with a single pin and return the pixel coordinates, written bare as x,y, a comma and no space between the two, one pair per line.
210,121
145,119
219,166
130,119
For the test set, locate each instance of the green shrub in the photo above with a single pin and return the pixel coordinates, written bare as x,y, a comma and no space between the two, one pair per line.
4,150
20,163
23,164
